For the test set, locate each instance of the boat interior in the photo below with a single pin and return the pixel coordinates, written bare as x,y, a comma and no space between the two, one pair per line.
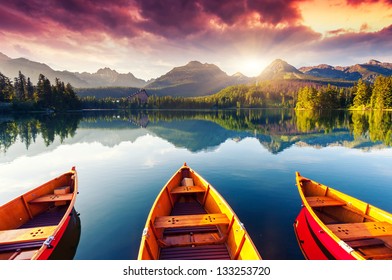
363,227
190,220
30,219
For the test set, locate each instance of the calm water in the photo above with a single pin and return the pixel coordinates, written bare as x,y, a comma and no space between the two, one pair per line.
250,156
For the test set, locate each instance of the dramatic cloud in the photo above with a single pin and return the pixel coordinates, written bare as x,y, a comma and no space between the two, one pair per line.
130,18
358,46
73,15
149,37
277,11
13,21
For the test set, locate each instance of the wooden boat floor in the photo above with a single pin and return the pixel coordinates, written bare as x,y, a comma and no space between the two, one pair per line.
205,252
188,208
373,248
202,252
50,217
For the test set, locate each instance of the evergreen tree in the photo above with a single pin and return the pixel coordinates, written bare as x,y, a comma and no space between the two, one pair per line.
44,92
20,86
307,98
328,98
382,93
7,92
363,95
29,92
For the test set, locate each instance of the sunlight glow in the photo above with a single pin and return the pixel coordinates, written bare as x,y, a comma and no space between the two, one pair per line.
252,67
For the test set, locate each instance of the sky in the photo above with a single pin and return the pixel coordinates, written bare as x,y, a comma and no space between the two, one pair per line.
150,37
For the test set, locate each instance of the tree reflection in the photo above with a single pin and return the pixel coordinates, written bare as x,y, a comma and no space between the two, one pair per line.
380,127
276,129
26,128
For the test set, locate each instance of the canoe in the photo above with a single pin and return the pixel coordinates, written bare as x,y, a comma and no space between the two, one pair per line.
31,225
190,220
334,225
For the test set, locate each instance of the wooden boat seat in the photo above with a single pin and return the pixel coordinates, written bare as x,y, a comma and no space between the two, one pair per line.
323,201
187,189
366,242
190,220
25,234
371,248
52,198
352,231
185,230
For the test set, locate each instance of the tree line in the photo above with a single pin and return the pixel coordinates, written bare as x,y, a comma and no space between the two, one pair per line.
23,95
268,94
361,96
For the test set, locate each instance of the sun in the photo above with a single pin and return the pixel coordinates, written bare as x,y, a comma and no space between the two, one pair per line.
252,67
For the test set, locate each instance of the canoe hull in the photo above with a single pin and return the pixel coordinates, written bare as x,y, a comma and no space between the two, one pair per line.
340,226
314,243
32,224
193,221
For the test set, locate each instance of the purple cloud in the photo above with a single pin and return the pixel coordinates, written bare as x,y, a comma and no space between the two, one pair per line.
122,18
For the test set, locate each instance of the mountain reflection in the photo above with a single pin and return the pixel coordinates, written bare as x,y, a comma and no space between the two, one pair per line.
275,129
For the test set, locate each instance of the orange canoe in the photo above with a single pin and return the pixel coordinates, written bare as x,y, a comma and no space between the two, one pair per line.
190,220
342,226
32,224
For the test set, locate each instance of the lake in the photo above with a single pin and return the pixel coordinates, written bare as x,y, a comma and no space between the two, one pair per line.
250,156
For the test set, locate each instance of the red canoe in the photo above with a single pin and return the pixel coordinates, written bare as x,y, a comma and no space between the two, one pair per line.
334,225
32,224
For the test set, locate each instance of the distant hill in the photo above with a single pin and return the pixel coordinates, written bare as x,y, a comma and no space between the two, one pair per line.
11,67
366,71
102,78
279,70
106,77
195,79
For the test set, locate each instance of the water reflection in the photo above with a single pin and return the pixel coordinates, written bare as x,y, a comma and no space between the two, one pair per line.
202,130
124,158
66,248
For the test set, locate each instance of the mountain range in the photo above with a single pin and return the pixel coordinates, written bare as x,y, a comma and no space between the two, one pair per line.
196,78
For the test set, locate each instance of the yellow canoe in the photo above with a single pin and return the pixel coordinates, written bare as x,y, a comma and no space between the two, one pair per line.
190,220
343,227
31,225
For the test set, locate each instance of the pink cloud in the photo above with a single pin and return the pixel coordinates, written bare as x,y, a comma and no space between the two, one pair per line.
14,21
360,2
167,18
277,11
360,43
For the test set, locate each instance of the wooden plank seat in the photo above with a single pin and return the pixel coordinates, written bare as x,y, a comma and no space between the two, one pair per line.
184,230
352,231
52,198
366,242
190,220
323,201
187,189
26,234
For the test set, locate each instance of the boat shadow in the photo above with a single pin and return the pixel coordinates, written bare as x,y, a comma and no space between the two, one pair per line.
67,247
